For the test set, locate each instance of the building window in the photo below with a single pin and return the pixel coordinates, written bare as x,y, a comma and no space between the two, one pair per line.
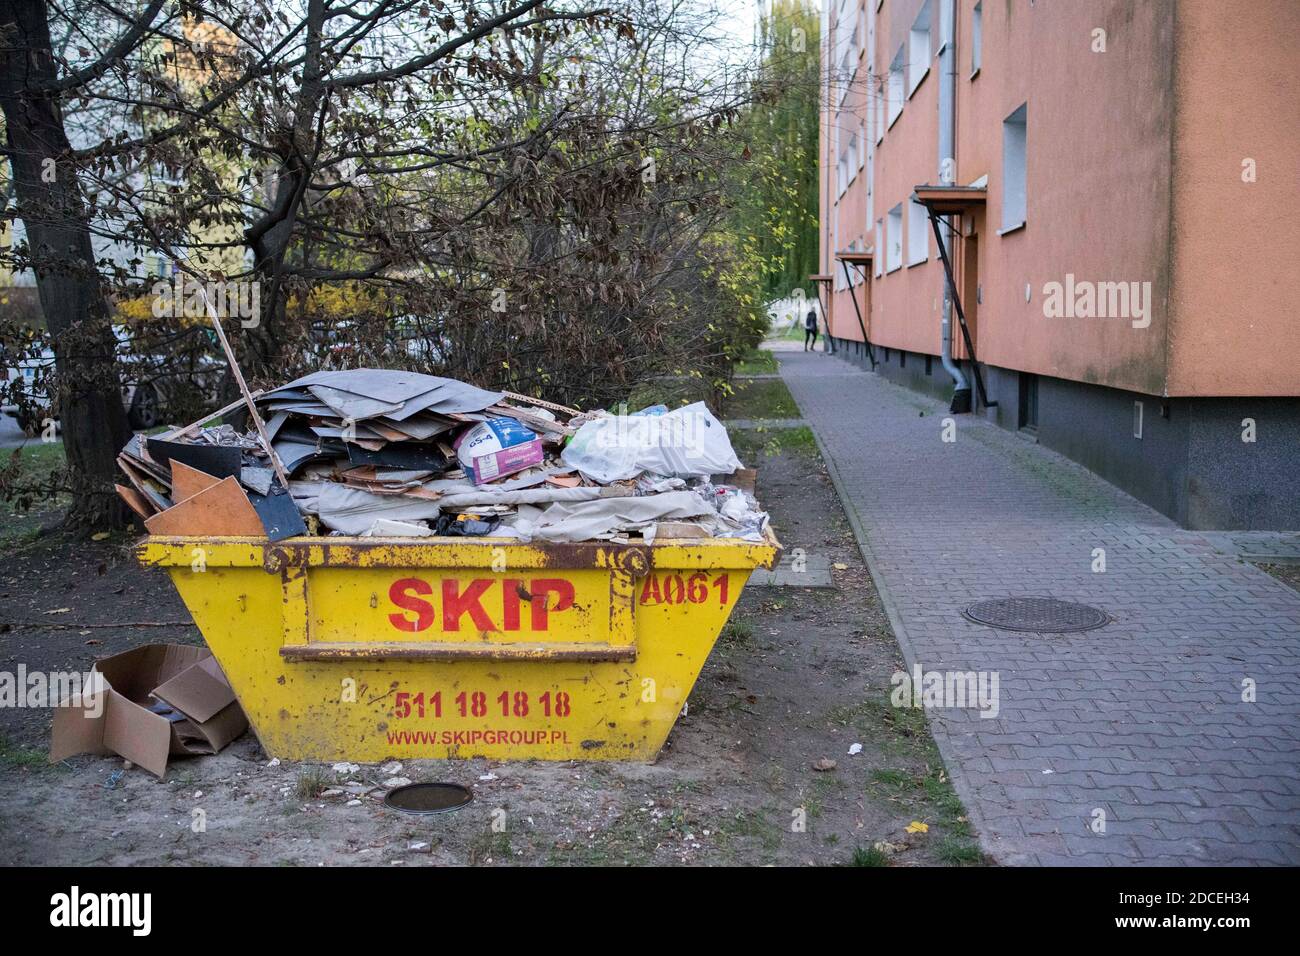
879,256
894,239
894,93
879,106
918,246
1028,417
976,38
1014,201
918,49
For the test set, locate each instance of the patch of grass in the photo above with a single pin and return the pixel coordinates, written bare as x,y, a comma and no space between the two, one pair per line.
959,851
757,362
19,756
749,825
897,779
753,443
760,398
1288,574
490,844
628,840
736,633
921,788
899,730
312,782
39,458
868,856
36,460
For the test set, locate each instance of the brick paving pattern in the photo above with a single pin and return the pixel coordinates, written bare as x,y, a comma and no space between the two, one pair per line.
1142,719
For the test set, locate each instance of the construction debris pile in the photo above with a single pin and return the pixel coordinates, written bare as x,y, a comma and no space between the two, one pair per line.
389,453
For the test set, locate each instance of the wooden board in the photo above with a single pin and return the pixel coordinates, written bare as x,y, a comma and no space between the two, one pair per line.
188,482
135,501
220,509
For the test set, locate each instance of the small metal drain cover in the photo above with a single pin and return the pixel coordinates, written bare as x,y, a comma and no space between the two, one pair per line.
428,797
1036,614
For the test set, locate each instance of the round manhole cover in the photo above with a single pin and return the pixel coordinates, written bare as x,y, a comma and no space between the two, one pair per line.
428,797
1035,614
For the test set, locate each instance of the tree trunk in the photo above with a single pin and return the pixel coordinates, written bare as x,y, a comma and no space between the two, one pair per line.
87,387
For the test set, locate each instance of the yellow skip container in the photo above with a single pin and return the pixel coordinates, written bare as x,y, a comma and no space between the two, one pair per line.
364,648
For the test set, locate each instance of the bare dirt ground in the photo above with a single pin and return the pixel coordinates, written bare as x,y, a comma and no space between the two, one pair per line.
798,676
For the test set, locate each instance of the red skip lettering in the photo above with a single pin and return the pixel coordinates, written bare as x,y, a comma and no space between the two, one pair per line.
423,609
454,604
563,590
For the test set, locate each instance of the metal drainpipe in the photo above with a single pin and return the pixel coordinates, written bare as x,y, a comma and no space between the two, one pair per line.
961,398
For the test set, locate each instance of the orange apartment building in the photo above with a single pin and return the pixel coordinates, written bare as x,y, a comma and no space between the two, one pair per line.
1111,179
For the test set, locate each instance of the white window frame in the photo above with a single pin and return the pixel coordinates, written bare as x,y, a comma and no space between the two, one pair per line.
894,95
894,239
976,39
918,242
918,47
1015,170
879,107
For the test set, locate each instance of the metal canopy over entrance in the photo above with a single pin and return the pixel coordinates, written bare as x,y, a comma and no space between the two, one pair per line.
862,261
949,201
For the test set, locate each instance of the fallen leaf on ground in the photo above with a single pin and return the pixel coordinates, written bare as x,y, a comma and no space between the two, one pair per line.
916,826
826,763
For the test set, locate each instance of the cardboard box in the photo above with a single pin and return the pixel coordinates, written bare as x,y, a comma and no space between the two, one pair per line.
507,461
150,704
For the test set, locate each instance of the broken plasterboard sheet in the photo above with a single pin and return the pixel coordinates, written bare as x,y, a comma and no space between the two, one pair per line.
604,517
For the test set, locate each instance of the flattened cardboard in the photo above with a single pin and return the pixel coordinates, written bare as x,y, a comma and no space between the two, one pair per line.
188,482
409,455
219,461
278,514
221,509
133,687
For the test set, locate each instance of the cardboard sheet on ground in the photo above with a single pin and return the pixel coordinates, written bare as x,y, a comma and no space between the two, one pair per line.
150,704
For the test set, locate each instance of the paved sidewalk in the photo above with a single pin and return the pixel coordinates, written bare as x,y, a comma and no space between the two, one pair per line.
1141,721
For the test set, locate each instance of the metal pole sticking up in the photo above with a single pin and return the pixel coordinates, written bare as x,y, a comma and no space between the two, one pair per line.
243,389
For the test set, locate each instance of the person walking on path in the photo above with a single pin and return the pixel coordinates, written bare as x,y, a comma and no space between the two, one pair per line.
810,330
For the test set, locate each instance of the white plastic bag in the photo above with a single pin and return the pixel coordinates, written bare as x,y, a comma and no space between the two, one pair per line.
688,442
